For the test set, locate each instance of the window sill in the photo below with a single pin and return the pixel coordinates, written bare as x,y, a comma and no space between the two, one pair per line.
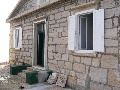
17,48
85,53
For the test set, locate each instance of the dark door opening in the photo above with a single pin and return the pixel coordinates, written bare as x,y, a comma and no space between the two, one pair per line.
40,44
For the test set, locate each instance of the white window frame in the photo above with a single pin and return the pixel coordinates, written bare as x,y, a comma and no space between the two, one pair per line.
73,30
17,44
77,39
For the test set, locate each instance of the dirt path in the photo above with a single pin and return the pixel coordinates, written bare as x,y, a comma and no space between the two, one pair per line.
14,82
11,82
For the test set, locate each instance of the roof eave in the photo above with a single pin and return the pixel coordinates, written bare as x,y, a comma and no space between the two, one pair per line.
8,20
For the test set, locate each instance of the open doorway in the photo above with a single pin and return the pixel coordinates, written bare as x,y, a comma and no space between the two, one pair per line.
39,44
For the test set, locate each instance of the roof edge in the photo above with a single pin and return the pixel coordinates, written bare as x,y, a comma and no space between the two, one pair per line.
8,20
15,8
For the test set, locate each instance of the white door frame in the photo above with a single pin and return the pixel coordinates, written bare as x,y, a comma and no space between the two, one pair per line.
34,51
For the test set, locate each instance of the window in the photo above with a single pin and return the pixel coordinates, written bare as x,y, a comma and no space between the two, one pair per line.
17,38
86,31
85,35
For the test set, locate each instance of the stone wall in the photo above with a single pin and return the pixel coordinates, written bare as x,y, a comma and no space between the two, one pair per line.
95,71
25,53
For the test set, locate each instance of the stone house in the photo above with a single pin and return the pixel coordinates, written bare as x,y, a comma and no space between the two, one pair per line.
79,38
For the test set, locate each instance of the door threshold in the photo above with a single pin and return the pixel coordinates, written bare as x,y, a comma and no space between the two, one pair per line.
39,67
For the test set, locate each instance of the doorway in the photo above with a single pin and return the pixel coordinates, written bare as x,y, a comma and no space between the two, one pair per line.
40,43
39,58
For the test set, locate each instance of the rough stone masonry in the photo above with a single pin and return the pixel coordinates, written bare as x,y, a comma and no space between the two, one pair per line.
100,71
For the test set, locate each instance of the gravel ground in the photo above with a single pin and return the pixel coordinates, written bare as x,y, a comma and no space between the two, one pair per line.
14,82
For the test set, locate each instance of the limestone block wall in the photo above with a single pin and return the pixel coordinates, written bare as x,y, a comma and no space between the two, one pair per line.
100,71
25,53
102,68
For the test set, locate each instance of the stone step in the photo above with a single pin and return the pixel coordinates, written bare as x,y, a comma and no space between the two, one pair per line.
26,71
38,70
30,68
34,69
22,74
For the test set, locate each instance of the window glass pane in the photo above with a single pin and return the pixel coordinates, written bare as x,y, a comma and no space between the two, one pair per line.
41,27
83,32
16,38
90,32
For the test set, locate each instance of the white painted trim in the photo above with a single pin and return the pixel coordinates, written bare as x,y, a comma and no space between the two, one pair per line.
77,39
98,30
17,48
85,51
45,48
33,44
43,20
71,32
